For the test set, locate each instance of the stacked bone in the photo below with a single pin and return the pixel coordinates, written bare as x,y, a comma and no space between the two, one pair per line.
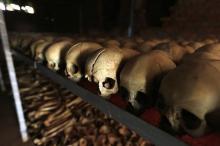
133,67
57,117
199,16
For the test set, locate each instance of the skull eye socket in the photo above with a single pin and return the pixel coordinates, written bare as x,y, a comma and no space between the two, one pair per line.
109,83
145,100
75,68
123,93
52,65
190,120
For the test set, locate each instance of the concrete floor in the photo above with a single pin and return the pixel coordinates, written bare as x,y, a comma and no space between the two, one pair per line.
9,130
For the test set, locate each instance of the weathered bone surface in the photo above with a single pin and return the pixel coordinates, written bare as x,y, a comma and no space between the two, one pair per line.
55,53
149,44
39,50
139,74
175,50
37,42
103,67
112,44
207,52
128,43
76,57
26,41
191,92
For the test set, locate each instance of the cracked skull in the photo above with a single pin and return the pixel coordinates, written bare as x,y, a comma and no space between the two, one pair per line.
103,66
140,76
76,57
55,52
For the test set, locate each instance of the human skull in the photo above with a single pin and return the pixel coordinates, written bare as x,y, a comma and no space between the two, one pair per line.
139,76
55,52
75,59
149,44
112,44
26,41
39,50
175,50
130,44
103,67
207,52
189,94
37,42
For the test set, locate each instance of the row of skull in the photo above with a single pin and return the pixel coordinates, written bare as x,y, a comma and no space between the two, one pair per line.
183,75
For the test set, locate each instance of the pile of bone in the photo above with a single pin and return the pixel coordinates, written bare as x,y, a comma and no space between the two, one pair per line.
58,118
134,68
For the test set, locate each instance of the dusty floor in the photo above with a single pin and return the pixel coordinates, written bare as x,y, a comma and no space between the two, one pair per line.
9,135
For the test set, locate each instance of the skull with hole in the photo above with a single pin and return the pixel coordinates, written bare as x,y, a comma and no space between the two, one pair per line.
141,75
55,52
190,93
103,68
76,57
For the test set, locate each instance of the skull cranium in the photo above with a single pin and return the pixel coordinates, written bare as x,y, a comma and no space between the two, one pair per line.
139,76
103,67
55,52
75,59
175,50
190,93
39,50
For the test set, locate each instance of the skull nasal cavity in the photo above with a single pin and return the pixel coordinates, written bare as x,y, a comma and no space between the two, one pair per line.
52,65
109,83
75,68
190,120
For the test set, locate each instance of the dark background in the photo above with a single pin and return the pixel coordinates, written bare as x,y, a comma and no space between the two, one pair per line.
74,16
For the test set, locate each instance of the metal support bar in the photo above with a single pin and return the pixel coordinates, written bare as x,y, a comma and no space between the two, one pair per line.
131,19
13,79
147,131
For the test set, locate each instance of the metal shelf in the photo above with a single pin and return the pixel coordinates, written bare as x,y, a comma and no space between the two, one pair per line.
155,135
